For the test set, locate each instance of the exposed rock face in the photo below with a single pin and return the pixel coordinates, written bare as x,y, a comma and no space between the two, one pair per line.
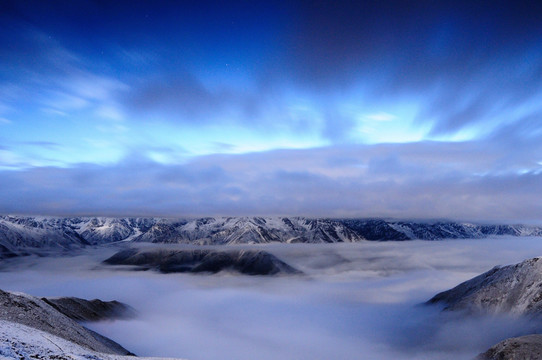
90,310
33,312
527,347
515,289
249,262
377,230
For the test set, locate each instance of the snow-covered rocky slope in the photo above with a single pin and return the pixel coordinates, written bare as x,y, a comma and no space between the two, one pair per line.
513,289
30,329
21,342
34,312
20,235
249,230
528,347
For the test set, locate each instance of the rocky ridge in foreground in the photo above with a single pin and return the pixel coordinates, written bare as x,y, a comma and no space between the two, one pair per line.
32,328
35,313
21,342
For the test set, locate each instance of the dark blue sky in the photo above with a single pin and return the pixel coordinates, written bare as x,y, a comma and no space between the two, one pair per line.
383,108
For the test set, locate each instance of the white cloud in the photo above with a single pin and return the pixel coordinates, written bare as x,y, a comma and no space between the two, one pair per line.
63,102
110,112
54,112
93,87
380,116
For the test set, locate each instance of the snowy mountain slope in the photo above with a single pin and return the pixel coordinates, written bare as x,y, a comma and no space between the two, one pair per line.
249,230
22,342
515,289
33,312
106,230
17,233
20,235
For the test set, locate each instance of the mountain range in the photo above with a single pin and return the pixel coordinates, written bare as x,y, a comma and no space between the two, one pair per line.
23,234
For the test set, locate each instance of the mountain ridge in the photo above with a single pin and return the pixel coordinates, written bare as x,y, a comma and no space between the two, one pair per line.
23,234
511,289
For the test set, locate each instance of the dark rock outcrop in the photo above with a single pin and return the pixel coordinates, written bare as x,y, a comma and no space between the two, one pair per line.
249,262
90,310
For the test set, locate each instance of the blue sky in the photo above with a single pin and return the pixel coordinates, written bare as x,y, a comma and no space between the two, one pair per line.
391,109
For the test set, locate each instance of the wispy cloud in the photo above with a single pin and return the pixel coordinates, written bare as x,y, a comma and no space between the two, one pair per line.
104,80
381,116
43,144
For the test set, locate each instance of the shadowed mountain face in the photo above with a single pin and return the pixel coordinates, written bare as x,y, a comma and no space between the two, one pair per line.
90,310
248,262
21,235
515,289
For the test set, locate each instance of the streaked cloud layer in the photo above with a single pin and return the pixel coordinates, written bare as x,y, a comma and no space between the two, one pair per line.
403,109
416,180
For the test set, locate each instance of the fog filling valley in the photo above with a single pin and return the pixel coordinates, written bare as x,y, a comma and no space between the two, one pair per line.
354,301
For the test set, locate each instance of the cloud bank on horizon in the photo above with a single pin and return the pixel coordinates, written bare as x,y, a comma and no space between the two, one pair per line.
393,109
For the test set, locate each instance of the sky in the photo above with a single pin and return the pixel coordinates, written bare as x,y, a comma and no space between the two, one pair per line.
401,109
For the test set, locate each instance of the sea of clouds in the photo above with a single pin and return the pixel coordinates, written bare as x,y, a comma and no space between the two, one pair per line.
355,301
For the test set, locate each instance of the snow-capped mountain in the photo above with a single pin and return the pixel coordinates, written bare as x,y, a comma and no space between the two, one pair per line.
249,230
106,230
19,234
514,289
